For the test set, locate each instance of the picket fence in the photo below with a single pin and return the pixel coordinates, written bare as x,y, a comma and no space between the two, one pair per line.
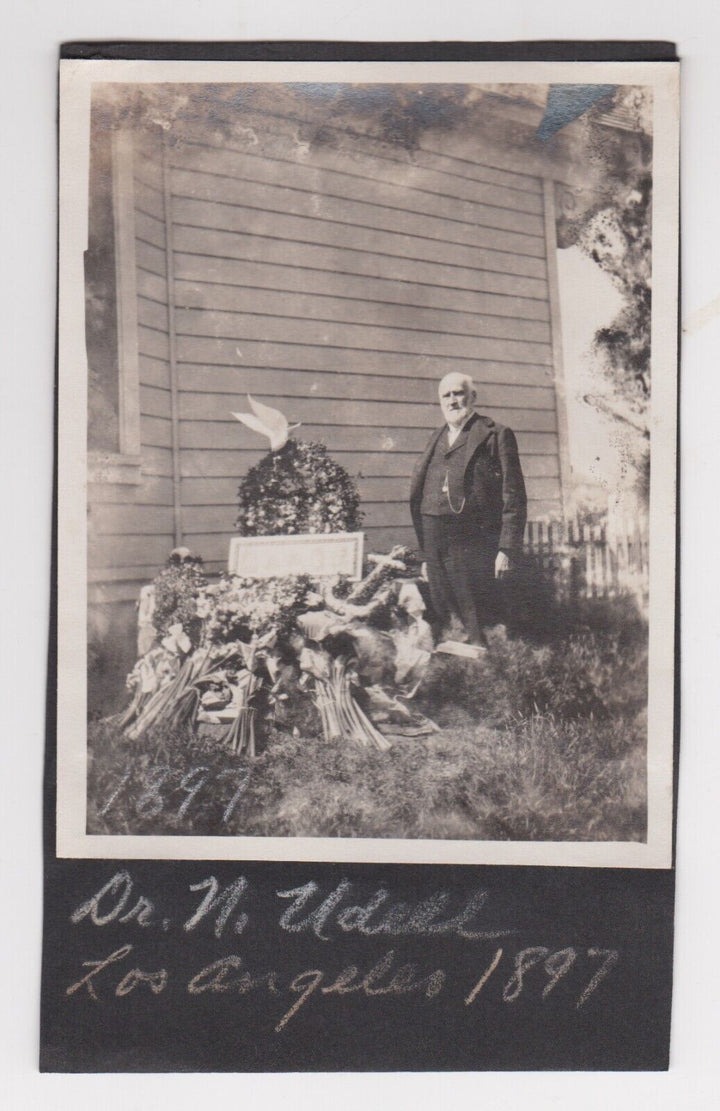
588,560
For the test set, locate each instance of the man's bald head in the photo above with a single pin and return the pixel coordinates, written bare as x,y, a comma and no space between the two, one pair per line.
457,397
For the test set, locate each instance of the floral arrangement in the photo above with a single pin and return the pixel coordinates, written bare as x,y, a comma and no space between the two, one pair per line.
237,608
298,489
229,653
175,590
241,649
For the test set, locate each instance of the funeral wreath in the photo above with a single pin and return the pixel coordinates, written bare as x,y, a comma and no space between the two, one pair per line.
237,655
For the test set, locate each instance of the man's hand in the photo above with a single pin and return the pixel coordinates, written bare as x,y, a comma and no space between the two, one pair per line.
502,565
423,572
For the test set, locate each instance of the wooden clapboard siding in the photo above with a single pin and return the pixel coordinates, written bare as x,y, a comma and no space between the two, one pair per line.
540,509
124,520
234,221
156,462
152,286
275,249
209,519
153,490
222,491
219,518
383,539
198,166
370,438
275,382
534,447
346,310
312,271
210,503
154,371
213,546
286,356
195,271
156,431
126,527
214,519
537,450
340,286
541,489
197,206
149,259
114,594
155,401
148,164
234,464
447,150
149,199
137,574
338,280
371,163
194,407
132,550
154,343
210,491
152,315
358,337
463,163
150,230
130,527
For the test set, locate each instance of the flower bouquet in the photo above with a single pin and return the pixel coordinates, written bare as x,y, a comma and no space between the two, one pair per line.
357,650
237,623
230,653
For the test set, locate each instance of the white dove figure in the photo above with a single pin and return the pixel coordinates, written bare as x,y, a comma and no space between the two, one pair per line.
268,422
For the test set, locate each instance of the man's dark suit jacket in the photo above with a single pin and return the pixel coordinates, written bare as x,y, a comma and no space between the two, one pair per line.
494,488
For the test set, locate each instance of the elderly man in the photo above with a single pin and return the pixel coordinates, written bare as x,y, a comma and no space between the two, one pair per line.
469,508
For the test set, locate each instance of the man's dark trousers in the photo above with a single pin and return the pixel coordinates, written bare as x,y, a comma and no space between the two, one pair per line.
461,573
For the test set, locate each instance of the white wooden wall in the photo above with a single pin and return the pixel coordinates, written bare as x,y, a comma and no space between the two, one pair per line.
338,281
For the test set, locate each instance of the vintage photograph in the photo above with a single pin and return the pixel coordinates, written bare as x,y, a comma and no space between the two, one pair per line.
367,461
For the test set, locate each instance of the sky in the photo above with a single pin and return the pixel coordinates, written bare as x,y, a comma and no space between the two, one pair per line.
588,300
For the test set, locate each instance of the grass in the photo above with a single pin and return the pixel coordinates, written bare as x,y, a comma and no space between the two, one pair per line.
538,741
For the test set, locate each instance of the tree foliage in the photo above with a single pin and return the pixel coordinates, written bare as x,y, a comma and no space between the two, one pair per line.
616,233
618,239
